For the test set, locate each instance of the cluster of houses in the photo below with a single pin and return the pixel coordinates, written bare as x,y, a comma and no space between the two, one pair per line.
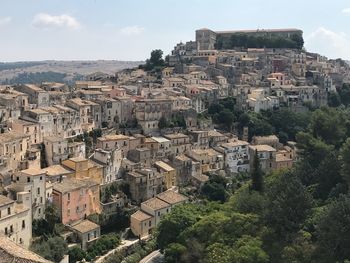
48,158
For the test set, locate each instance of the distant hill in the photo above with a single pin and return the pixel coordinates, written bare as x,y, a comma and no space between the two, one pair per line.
58,71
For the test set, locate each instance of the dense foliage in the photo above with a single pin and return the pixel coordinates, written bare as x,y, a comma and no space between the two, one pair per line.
299,215
52,248
100,247
283,122
250,41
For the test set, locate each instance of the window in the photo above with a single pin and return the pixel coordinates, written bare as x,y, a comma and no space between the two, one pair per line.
158,213
9,210
41,178
11,228
17,178
38,190
41,199
95,234
23,224
39,211
88,236
28,179
68,196
150,223
6,232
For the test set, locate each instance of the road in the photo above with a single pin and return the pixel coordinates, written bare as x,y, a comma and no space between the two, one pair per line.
125,243
154,257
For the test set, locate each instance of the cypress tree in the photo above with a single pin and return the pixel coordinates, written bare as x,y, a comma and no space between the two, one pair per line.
257,174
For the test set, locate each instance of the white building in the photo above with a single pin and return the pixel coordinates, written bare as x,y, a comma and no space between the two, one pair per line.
111,161
16,219
33,181
236,156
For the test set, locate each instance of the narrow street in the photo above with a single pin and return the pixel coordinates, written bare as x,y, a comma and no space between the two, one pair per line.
154,257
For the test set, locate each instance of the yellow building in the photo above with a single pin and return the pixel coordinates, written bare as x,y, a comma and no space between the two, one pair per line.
169,173
85,169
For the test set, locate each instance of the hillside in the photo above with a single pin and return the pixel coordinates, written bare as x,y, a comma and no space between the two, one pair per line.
17,72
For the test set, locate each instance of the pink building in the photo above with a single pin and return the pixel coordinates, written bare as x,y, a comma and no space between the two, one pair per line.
76,199
116,92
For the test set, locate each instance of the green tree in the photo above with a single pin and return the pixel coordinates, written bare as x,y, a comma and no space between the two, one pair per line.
52,249
174,252
248,249
334,231
257,174
345,161
215,188
174,223
334,99
76,254
227,118
344,94
288,205
163,123
156,61
299,41
300,250
219,253
328,124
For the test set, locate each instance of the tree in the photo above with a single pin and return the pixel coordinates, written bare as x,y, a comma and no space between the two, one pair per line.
328,124
257,174
248,249
301,250
215,188
345,161
288,205
298,40
344,94
219,253
249,202
53,249
174,223
227,118
163,123
334,99
174,252
76,254
156,62
333,231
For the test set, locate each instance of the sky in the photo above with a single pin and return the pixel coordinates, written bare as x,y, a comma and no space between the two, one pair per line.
32,30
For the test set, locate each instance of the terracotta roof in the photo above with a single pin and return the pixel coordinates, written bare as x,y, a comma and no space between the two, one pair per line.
11,252
5,200
11,136
69,185
113,137
85,226
175,136
155,203
141,216
171,197
166,167
55,170
262,148
32,171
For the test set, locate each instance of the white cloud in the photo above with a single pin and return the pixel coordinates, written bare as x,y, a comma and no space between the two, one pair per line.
5,20
346,11
329,43
132,30
43,20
